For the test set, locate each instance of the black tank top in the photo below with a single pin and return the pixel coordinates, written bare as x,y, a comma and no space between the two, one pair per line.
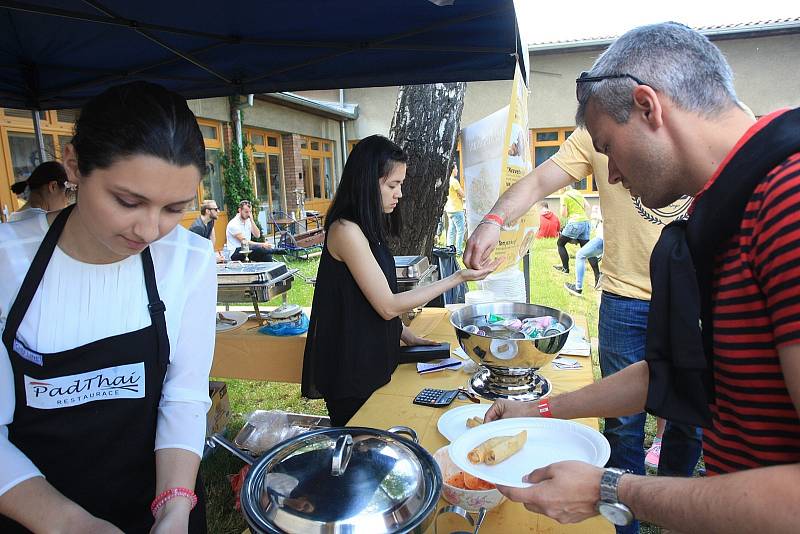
351,350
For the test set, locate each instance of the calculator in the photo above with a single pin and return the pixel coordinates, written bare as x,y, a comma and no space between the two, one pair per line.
435,397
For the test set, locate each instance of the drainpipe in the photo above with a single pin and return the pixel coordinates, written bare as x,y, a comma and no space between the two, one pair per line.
37,130
237,124
343,134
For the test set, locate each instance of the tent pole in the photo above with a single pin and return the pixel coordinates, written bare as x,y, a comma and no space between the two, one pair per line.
37,130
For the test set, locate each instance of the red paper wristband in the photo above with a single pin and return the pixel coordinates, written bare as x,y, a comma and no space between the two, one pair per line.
544,408
494,217
162,499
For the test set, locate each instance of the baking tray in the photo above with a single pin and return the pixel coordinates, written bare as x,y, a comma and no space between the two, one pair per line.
249,273
297,422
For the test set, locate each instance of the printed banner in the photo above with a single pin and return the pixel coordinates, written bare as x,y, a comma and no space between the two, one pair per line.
497,153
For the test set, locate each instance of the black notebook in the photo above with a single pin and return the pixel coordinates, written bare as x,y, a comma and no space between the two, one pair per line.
424,353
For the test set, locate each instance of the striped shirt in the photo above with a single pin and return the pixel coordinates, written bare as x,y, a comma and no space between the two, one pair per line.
756,310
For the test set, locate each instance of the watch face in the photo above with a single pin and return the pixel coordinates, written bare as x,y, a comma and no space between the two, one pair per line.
618,514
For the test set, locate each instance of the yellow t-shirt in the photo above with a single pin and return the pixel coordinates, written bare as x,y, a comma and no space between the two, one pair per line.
454,201
630,229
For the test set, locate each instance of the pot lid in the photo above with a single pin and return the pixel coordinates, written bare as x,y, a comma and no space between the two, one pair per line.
342,480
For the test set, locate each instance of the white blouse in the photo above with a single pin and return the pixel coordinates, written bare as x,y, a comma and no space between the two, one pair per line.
77,303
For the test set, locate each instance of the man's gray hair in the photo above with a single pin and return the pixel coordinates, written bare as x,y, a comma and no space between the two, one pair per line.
673,59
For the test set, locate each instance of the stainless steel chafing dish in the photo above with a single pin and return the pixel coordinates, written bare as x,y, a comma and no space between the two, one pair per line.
257,282
412,272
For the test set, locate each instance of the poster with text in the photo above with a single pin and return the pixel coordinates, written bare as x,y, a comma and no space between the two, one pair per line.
497,153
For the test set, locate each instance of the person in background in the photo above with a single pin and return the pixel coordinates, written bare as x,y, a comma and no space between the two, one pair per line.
549,224
355,332
577,229
107,315
240,231
592,249
723,340
204,224
44,190
456,220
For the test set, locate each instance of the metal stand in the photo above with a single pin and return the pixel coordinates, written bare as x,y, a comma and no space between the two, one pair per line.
520,385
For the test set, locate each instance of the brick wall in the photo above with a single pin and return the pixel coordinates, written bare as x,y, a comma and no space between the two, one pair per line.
292,169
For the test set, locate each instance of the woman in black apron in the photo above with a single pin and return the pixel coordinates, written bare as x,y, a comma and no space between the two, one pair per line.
88,417
355,330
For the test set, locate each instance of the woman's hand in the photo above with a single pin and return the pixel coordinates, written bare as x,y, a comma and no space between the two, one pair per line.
173,518
82,521
410,338
469,275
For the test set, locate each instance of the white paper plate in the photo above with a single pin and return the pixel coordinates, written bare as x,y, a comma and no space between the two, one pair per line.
549,441
453,423
238,316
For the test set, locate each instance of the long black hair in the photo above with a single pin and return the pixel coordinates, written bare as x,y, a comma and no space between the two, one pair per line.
358,198
137,118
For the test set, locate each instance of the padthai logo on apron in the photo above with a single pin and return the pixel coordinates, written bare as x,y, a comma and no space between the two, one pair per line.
112,383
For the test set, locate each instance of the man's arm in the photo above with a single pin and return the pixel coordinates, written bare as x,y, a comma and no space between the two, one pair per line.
544,180
254,229
755,500
623,393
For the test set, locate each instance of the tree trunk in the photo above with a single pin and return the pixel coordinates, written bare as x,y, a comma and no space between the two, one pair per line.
426,123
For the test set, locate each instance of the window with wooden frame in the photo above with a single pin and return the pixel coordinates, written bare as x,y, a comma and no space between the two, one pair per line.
318,172
19,149
546,142
267,169
211,187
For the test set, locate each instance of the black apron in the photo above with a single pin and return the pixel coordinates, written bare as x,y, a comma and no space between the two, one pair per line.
86,417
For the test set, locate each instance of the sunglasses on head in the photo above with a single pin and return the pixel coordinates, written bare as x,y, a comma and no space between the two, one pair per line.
244,203
585,78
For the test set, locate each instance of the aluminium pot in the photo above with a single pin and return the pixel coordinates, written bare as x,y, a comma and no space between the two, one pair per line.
343,480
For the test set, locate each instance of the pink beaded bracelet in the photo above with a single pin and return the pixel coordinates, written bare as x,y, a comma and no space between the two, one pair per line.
162,499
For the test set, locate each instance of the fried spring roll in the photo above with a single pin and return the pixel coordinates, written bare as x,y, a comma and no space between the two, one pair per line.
506,448
472,422
478,454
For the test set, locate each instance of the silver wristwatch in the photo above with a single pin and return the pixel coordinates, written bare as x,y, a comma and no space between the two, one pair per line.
609,505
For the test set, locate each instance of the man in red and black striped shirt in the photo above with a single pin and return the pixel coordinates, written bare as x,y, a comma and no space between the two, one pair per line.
660,104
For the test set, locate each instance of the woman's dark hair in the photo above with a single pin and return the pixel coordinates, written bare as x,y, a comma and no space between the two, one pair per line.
49,171
358,198
137,118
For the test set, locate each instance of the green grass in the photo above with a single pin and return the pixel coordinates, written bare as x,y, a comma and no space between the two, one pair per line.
547,288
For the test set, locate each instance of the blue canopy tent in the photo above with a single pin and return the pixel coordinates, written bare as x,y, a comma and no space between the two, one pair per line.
58,53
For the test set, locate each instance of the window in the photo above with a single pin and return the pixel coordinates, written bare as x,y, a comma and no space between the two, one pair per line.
19,150
211,187
267,171
318,170
546,142
25,155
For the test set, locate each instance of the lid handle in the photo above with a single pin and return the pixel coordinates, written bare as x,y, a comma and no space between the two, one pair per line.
342,452
405,430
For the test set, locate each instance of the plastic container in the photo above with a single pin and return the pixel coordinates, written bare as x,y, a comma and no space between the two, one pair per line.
479,296
507,286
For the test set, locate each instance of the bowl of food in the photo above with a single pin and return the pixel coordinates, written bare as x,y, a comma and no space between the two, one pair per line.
511,337
464,490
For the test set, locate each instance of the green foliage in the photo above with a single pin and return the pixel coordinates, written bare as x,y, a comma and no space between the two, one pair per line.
236,177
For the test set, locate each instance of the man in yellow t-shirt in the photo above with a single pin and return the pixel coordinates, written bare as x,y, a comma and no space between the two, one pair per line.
631,231
454,208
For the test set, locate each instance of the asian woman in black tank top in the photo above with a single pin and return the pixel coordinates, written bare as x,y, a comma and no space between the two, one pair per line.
355,332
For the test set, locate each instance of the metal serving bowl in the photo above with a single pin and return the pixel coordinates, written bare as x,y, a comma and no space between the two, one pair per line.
500,354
